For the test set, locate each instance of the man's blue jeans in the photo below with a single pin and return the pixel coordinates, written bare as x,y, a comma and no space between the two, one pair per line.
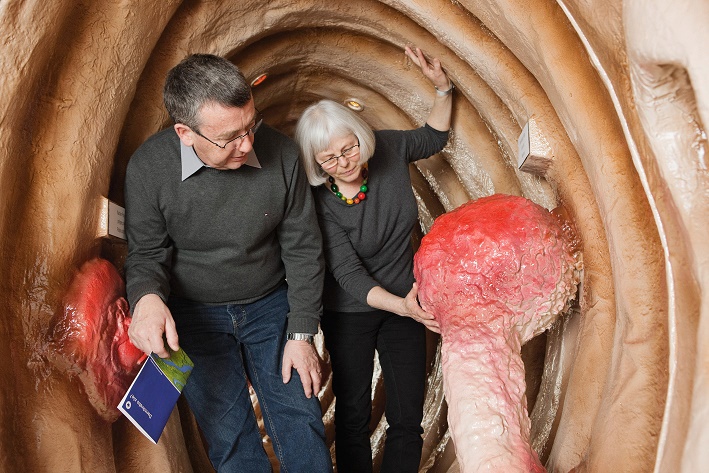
229,345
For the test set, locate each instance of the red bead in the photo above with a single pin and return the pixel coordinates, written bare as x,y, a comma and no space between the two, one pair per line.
361,196
356,200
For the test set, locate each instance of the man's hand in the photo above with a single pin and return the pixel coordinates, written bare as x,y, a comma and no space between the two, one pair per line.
302,356
152,318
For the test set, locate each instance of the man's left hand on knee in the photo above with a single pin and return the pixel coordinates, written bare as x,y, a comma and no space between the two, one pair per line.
301,356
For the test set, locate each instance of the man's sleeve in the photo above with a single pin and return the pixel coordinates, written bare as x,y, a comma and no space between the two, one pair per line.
301,251
149,249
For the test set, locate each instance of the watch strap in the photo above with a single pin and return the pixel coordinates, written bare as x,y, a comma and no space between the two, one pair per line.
300,336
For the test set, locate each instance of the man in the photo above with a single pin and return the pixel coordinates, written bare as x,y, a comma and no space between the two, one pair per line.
218,215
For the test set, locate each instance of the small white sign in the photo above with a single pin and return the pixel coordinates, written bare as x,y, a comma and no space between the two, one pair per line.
523,146
116,220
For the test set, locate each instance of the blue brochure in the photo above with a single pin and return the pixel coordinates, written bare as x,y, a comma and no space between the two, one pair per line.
154,392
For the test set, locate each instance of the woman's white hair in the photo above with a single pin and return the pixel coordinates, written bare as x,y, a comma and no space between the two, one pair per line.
319,124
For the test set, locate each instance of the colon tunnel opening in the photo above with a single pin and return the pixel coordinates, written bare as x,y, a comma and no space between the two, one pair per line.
614,96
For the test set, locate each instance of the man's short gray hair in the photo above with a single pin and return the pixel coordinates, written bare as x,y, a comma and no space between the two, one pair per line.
319,124
200,79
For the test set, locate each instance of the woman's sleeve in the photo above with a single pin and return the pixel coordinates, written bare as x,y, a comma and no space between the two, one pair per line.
413,145
343,262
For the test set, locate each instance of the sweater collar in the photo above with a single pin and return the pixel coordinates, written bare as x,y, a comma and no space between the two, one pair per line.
191,162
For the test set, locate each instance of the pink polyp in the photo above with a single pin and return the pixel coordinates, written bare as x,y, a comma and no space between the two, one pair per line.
494,273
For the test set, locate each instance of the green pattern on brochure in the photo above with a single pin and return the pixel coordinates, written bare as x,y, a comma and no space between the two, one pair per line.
177,368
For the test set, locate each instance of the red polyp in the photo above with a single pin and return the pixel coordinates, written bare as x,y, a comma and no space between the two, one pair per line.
494,273
91,335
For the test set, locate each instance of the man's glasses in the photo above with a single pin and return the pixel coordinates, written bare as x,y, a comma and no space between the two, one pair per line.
237,140
347,153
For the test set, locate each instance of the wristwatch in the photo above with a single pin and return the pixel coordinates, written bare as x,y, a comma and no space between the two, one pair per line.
443,93
300,336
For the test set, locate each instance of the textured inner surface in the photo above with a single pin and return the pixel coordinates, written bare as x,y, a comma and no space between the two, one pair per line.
618,93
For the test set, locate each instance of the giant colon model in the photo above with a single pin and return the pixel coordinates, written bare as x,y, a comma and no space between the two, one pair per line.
495,273
617,91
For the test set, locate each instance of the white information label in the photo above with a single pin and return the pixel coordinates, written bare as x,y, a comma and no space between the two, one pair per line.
523,146
116,220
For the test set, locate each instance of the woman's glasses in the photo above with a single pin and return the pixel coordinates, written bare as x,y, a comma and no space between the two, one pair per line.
347,153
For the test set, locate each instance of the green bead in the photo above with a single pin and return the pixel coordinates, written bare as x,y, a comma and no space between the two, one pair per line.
363,188
343,197
334,187
338,194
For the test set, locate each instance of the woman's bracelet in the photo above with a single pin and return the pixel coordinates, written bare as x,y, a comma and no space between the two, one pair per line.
443,93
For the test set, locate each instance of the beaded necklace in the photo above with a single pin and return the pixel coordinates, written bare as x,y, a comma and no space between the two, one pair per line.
361,195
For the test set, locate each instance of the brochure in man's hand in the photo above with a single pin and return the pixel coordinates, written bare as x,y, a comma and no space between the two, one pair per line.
154,392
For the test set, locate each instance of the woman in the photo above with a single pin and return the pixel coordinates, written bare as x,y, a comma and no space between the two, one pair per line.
367,210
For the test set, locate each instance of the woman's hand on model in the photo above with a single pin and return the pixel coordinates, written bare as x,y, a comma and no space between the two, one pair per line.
411,308
439,118
432,70
408,306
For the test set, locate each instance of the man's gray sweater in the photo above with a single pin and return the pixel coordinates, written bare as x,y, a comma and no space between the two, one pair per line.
224,236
